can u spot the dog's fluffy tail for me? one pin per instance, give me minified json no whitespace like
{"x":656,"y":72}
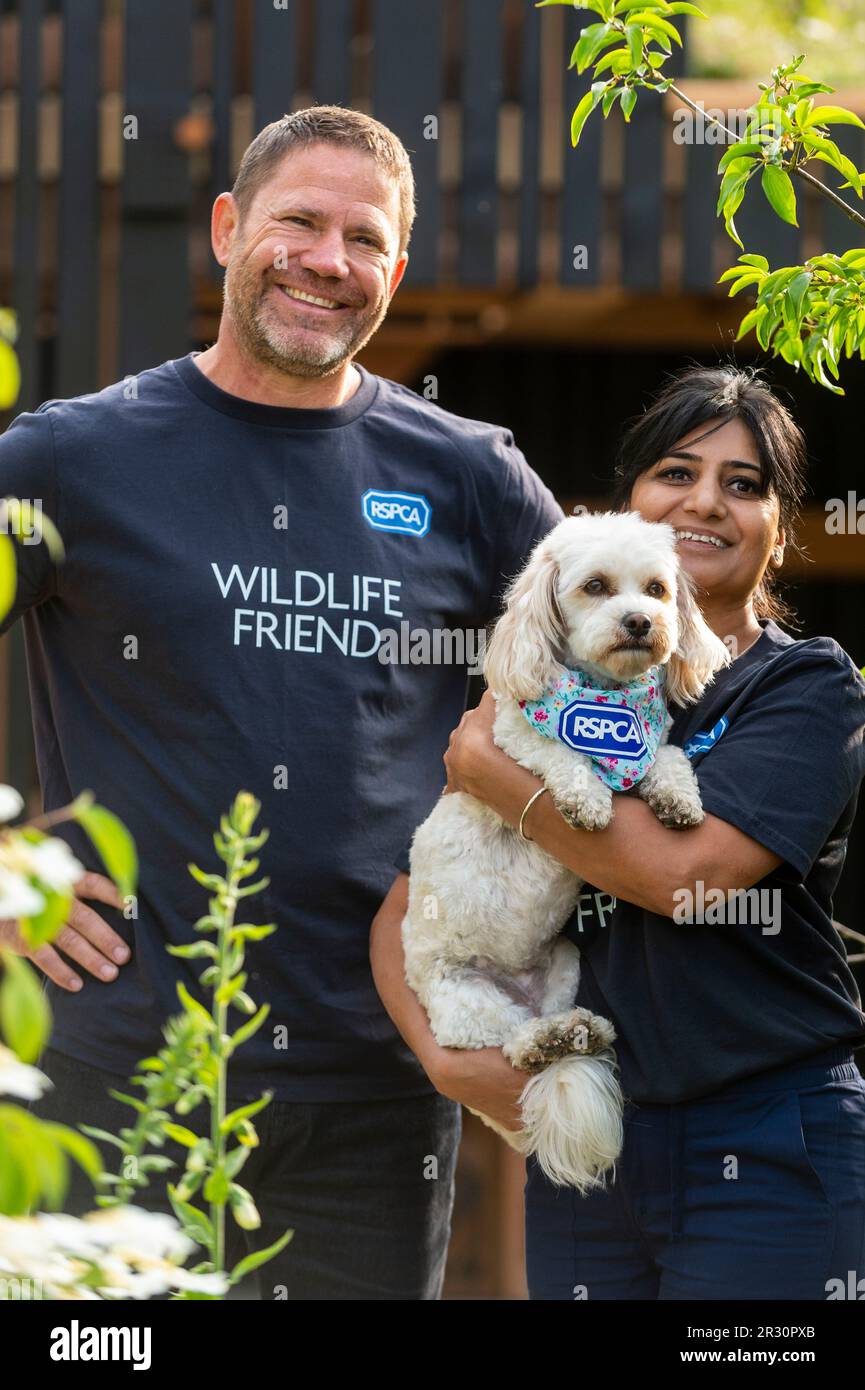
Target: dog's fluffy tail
{"x":572,"y":1120}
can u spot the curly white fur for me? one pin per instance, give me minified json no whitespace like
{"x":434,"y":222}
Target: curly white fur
{"x":481,"y":934}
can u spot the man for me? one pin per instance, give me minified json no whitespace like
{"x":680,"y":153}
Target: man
{"x":244,"y":526}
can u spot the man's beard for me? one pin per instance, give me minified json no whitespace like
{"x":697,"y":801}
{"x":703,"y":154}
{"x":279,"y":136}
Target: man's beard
{"x":274,"y":342}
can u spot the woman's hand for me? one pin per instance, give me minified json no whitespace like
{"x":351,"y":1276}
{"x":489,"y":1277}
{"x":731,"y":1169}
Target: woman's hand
{"x":475,"y":764}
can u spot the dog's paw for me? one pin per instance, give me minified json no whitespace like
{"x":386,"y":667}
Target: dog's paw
{"x":544,"y":1040}
{"x":588,"y":808}
{"x":676,"y":809}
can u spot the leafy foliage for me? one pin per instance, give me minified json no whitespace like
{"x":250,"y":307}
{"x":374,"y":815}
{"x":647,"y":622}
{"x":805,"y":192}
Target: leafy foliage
{"x":191,"y":1069}
{"x":812,"y":314}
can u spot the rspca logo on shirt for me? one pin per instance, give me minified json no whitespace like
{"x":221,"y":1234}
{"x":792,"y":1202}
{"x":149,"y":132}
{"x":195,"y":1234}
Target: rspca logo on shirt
{"x":406,"y":513}
{"x":705,"y":739}
{"x":607,"y":731}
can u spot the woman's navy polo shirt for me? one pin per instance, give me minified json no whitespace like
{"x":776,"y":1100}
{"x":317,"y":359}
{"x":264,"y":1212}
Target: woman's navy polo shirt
{"x":744,"y":985}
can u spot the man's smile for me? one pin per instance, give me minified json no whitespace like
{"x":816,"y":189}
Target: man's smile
{"x":317,"y":301}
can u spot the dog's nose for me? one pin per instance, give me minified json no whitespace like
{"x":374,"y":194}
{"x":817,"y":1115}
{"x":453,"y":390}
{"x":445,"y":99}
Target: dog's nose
{"x":636,"y":624}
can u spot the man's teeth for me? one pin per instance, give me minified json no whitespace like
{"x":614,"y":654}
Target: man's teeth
{"x":310,"y":298}
{"x":707,"y":540}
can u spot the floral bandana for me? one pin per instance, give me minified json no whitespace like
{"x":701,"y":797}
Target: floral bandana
{"x":620,"y":728}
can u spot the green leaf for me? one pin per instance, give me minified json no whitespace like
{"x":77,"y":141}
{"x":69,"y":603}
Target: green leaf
{"x":250,"y":931}
{"x":79,"y":1149}
{"x":10,"y":376}
{"x":212,"y":882}
{"x":742,"y":148}
{"x":234,"y":1118}
{"x":8,"y":573}
{"x":193,"y":951}
{"x":778,"y":187}
{"x":629,"y":101}
{"x":114,"y":844}
{"x":832,"y":155}
{"x":578,"y":120}
{"x":634,"y":36}
{"x":44,"y":926}
{"x":258,"y":1258}
{"x":180,"y":1134}
{"x":759,"y":262}
{"x":794,"y":301}
{"x":227,"y":991}
{"x":246,"y":1030}
{"x":751,"y":319}
{"x":748,"y":277}
{"x":25,"y":1020}
{"x":235,"y":1159}
{"x":197,"y":1224}
{"x":685,"y":7}
{"x":193,"y":1007}
{"x":657,"y":25}
{"x":623,"y":6}
{"x":216,"y":1188}
{"x":834,"y":115}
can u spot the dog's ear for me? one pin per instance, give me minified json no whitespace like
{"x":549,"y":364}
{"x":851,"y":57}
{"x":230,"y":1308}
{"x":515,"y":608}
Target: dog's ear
{"x":521,"y":658}
{"x":699,"y":653}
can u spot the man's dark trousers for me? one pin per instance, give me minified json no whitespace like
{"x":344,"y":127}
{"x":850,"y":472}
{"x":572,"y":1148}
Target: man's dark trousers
{"x":367,"y":1186}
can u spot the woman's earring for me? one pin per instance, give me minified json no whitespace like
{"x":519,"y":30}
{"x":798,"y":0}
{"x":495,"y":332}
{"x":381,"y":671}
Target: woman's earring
{"x":778,"y":555}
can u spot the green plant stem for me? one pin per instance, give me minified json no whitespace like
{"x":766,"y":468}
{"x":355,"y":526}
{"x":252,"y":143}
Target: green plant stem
{"x":226,"y":922}
{"x":796,"y":169}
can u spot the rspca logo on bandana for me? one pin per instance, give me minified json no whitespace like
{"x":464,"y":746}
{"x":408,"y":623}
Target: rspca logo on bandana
{"x":608,"y":731}
{"x":406,"y":513}
{"x":705,"y":739}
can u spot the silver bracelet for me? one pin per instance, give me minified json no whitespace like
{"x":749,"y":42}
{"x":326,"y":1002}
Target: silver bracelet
{"x":528,"y":806}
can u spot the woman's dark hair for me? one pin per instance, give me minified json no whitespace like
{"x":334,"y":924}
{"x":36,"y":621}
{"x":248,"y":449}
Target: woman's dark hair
{"x":712,"y":396}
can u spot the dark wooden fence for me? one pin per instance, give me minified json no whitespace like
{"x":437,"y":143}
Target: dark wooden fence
{"x":120,"y":122}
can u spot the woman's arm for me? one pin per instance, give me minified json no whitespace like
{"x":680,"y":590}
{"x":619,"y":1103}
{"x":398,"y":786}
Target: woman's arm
{"x":635,"y":858}
{"x":482,"y":1078}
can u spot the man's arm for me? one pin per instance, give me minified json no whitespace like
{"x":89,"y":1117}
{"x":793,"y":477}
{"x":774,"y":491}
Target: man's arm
{"x":482,"y":1078}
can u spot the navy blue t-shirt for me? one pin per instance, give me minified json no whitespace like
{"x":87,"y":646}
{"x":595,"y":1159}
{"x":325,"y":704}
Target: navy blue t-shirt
{"x":777,"y":745}
{"x":232,"y":572}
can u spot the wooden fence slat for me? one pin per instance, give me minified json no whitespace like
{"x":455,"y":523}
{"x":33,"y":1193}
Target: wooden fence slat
{"x":78,"y":260}
{"x":332,"y":52}
{"x":223,"y":92}
{"x":222,"y":49}
{"x":530,"y":192}
{"x":762,"y":230}
{"x":581,"y":196}
{"x":27,"y":200}
{"x":481,"y":100}
{"x":840,"y":234}
{"x":699,"y":223}
{"x":407,"y":89}
{"x":274,"y":60}
{"x":156,"y":189}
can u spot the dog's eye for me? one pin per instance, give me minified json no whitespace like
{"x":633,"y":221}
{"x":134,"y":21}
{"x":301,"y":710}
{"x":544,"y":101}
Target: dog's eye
{"x":656,"y":589}
{"x":594,"y":586}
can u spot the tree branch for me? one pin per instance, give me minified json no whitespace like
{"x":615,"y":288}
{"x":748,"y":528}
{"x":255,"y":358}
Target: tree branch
{"x":794,"y":169}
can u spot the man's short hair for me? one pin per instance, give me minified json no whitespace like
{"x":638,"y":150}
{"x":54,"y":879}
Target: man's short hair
{"x":332,"y":125}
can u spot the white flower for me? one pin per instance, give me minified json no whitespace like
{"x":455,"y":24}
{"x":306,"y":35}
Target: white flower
{"x":11,"y":802}
{"x":133,"y":1252}
{"x":55,"y":864}
{"x":19,"y":1079}
{"x":18,"y":898}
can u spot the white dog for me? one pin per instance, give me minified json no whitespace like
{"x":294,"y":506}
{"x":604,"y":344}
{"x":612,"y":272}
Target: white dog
{"x":573,"y":665}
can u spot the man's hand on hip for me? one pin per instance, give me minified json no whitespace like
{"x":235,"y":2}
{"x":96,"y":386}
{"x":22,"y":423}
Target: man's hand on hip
{"x":85,"y":938}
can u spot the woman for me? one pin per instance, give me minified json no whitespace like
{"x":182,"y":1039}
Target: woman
{"x":743,"y":1168}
